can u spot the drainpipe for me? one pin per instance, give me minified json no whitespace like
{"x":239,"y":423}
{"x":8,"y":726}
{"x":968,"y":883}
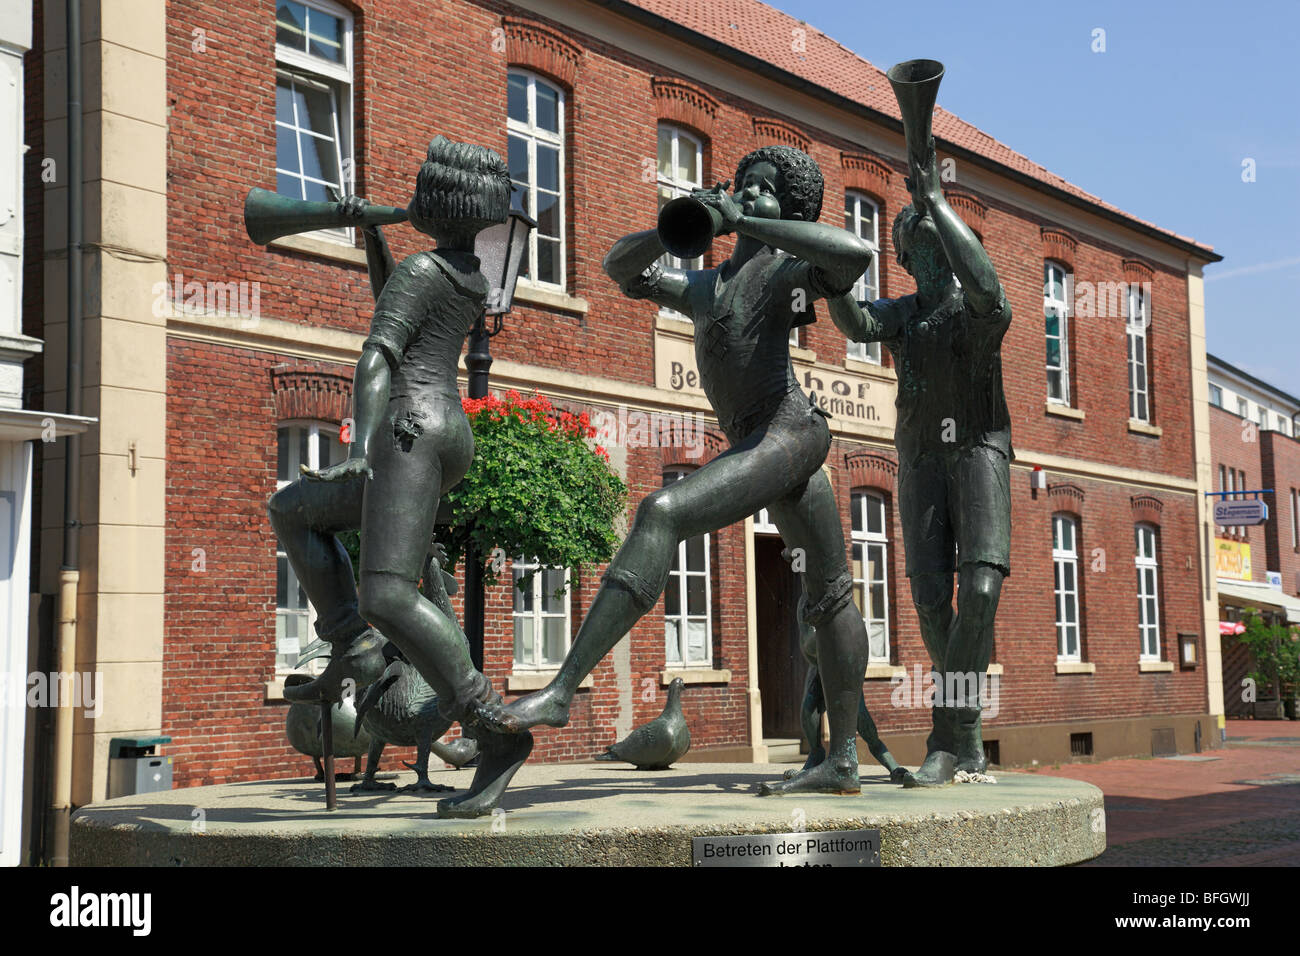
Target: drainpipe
{"x":66,"y":644}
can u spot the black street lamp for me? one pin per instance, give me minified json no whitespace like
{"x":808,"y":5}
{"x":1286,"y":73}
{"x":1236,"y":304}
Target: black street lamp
{"x":500,"y":250}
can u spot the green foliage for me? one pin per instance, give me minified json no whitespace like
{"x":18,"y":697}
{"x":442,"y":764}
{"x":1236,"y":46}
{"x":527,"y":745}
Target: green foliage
{"x":536,"y":488}
{"x":1275,"y":650}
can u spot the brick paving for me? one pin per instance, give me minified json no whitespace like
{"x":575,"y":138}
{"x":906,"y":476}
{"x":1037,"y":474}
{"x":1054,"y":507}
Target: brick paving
{"x":1239,"y":808}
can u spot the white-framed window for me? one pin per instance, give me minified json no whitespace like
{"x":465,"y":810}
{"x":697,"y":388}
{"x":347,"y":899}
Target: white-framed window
{"x":680,"y":171}
{"x":862,"y":218}
{"x":688,"y":600}
{"x":1216,"y":396}
{"x":535,"y":128}
{"x":1148,"y":593}
{"x":1243,"y":407}
{"x":1295,"y":518}
{"x":1065,"y":563}
{"x":1139,"y":320}
{"x":763,"y":523}
{"x":1056,"y":314}
{"x":316,"y":445}
{"x":870,"y":570}
{"x":313,"y":103}
{"x":540,"y":615}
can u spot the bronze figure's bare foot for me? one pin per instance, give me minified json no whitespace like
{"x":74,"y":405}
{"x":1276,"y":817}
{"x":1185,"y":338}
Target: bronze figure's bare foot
{"x":826,"y":777}
{"x":500,"y":758}
{"x":543,"y":707}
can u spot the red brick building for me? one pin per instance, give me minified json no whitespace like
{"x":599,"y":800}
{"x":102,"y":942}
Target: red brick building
{"x":599,"y":109}
{"x":1255,"y":449}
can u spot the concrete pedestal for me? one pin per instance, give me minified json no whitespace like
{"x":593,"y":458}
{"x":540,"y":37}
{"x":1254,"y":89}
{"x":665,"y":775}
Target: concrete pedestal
{"x":589,"y":815}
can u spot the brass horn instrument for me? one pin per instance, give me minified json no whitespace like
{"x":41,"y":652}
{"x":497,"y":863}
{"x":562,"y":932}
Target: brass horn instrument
{"x":268,"y":216}
{"x":687,"y":226}
{"x":916,"y":85}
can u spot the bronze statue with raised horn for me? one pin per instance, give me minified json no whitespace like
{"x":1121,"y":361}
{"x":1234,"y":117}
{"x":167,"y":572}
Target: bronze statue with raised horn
{"x":269,"y":216}
{"x":953,"y":433}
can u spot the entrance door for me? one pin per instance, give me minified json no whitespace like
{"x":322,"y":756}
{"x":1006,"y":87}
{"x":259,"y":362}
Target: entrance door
{"x":781,"y":667}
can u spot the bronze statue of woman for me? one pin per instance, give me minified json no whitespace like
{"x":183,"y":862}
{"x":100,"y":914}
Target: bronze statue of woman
{"x":412,"y":444}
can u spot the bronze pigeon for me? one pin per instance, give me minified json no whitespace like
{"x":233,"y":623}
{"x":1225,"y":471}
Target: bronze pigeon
{"x":654,"y":746}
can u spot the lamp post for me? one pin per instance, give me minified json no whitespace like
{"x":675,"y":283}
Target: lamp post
{"x":500,"y":249}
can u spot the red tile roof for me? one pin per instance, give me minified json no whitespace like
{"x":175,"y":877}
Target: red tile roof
{"x":765,"y":33}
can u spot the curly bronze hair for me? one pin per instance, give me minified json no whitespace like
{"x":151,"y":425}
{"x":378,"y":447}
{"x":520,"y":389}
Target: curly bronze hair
{"x":800,"y":190}
{"x":459,"y":181}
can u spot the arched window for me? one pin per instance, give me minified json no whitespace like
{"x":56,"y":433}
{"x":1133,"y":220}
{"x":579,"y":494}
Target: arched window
{"x":862,"y":218}
{"x":1139,"y":320}
{"x":535,"y":129}
{"x":870,"y":570}
{"x":1065,"y":563}
{"x":313,"y":103}
{"x":680,"y":170}
{"x":1056,"y":314}
{"x":688,"y":599}
{"x":1148,"y":593}
{"x":316,"y":445}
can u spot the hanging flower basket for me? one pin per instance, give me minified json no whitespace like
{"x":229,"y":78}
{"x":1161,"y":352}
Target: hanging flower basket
{"x":538,"y":487}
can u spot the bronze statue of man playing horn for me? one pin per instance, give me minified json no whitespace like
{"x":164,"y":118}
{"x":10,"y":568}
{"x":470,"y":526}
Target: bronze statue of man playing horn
{"x":953,"y":433}
{"x":743,"y":311}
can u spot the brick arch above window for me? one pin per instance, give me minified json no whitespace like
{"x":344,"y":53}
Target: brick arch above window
{"x":770,"y":131}
{"x":315,"y":392}
{"x":866,"y":174}
{"x":1135,"y":270}
{"x":685,"y":104}
{"x":1059,"y":245}
{"x":537,"y":47}
{"x":970,"y":207}
{"x":678,"y":455}
{"x":868,"y":470}
{"x":1147,"y":508}
{"x":1066,"y":498}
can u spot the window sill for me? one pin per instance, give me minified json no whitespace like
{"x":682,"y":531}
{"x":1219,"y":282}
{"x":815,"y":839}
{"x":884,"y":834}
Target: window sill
{"x":666,"y":323}
{"x":694,"y":675}
{"x":884,"y":672}
{"x":275,"y":690}
{"x":1142,"y":428}
{"x":869,"y":368}
{"x":1075,"y":667}
{"x":802,"y":354}
{"x":550,"y":298}
{"x":321,"y":248}
{"x":536,"y":680}
{"x":1155,"y":667}
{"x":1065,"y":411}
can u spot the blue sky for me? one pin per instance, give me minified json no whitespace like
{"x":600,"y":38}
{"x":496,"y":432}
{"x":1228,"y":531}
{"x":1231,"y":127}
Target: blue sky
{"x":1158,"y":125}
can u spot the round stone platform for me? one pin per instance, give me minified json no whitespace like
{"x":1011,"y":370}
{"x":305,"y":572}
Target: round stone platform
{"x":589,"y":814}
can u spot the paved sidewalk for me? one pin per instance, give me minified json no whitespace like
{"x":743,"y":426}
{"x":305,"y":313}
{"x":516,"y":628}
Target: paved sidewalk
{"x":1241,"y":807}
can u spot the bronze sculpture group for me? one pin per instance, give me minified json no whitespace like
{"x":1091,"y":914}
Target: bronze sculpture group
{"x":413,"y":443}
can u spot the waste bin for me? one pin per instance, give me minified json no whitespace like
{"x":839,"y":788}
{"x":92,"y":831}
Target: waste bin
{"x":134,"y":767}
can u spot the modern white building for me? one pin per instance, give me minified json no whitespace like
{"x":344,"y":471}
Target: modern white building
{"x":1247,"y":397}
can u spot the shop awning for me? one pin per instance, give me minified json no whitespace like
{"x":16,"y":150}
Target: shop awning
{"x":1258,"y":594}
